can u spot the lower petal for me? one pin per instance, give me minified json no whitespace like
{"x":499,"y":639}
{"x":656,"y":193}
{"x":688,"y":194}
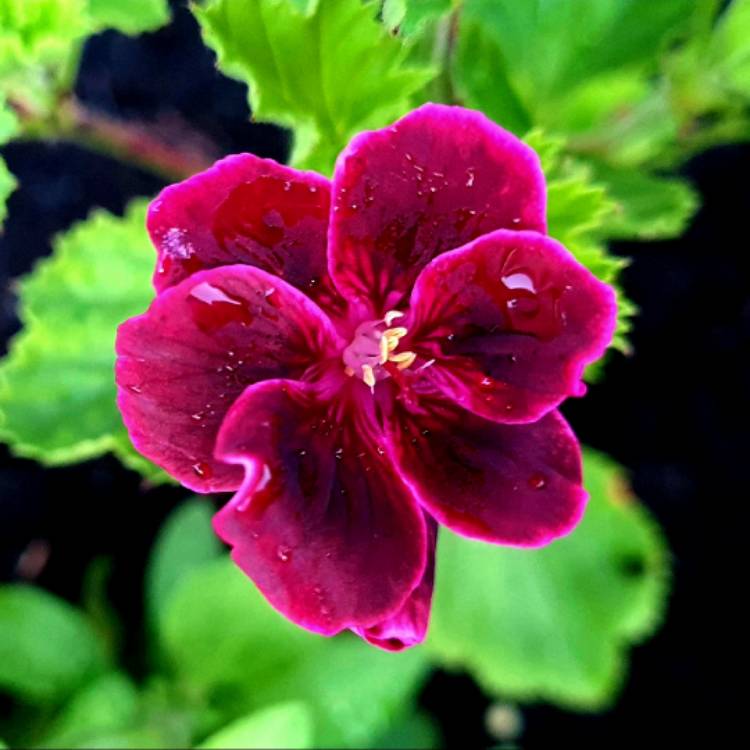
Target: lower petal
{"x":408,"y":626}
{"x":322,"y":524}
{"x":519,"y":485}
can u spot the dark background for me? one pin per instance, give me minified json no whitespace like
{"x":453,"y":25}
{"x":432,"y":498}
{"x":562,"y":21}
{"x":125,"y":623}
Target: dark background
{"x":669,"y":413}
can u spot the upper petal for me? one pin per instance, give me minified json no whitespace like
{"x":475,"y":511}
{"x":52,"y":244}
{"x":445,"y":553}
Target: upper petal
{"x":181,"y":365}
{"x":322,"y":524}
{"x":509,"y":484}
{"x":433,"y":181}
{"x":244,"y":210}
{"x":510,"y":320}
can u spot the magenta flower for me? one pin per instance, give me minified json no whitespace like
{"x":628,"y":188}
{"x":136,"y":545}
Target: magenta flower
{"x":361,"y":359}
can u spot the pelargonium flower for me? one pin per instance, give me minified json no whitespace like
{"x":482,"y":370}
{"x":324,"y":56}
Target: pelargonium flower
{"x":361,"y":359}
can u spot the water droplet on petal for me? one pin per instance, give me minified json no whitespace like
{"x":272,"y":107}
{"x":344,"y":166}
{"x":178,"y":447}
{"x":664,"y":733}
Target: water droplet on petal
{"x":202,"y":470}
{"x":284,"y":553}
{"x":537,"y":481}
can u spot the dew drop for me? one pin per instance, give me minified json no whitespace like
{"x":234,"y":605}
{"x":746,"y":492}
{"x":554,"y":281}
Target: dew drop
{"x":202,"y":470}
{"x":537,"y":481}
{"x":213,"y":308}
{"x":519,"y":281}
{"x":134,"y":388}
{"x":284,"y":553}
{"x":470,"y":176}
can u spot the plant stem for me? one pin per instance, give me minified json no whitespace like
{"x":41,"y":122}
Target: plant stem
{"x":167,"y":148}
{"x":442,"y":52}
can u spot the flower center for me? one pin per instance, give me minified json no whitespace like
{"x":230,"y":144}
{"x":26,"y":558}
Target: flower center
{"x":373,"y":346}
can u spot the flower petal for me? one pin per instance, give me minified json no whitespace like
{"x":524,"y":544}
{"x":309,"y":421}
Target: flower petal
{"x":182,"y":364}
{"x":408,"y":626}
{"x":436,"y":179}
{"x":509,"y":484}
{"x":244,"y":210}
{"x":511,"y":320}
{"x":322,"y":524}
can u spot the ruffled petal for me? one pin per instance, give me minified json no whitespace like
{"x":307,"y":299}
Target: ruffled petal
{"x":321,"y":524}
{"x":408,"y":626}
{"x":244,"y":210}
{"x":508,"y":484}
{"x":182,"y":364}
{"x":511,"y":320}
{"x":436,"y":179}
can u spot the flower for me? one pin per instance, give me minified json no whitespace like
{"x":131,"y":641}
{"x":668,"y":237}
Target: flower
{"x":359,"y":359}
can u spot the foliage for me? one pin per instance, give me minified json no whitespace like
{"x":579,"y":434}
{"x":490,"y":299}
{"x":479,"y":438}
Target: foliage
{"x":47,"y":649}
{"x":101,"y":269}
{"x":554,"y":623}
{"x":228,"y":671}
{"x":292,"y":61}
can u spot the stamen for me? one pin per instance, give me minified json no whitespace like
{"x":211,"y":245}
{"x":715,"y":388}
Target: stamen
{"x":403,"y":359}
{"x":384,"y":349}
{"x":368,"y":375}
{"x":372,"y":347}
{"x":396,"y":333}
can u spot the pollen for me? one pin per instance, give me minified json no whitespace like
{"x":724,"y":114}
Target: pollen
{"x":373,"y":346}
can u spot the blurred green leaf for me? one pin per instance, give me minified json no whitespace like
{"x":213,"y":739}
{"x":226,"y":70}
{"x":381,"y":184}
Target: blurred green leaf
{"x":294,"y":64}
{"x":47,"y":648}
{"x":546,"y":59}
{"x":730,"y":46}
{"x":555,"y":623}
{"x":57,"y":391}
{"x":7,"y":186}
{"x":186,"y":541}
{"x":224,"y":640}
{"x":418,"y":730}
{"x":105,"y":705}
{"x":646,"y":207}
{"x":477,"y":53}
{"x":36,"y":41}
{"x":284,"y":725}
{"x":409,"y":15}
{"x":130,"y":17}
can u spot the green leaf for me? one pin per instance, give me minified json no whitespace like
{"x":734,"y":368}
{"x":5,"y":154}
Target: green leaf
{"x":647,"y":207}
{"x":106,"y":705}
{"x":186,"y":540}
{"x":555,"y":623}
{"x":57,"y":391}
{"x":7,"y":186}
{"x":131,"y":17}
{"x":47,"y":648}
{"x":408,"y":16}
{"x":295,"y":65}
{"x":37,"y":39}
{"x":417,"y":730}
{"x":493,"y":94}
{"x":547,"y":60}
{"x":285,"y":725}
{"x":224,"y":640}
